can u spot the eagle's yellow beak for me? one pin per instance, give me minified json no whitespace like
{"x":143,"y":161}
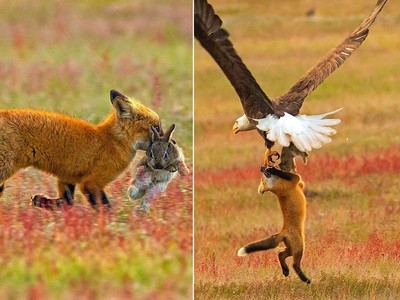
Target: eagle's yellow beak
{"x":235,"y":128}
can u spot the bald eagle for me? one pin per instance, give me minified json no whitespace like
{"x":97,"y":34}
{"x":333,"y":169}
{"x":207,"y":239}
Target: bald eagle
{"x":277,"y":119}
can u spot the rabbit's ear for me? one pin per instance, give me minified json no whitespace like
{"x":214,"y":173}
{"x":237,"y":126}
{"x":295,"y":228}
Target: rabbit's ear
{"x":160,"y":129}
{"x":168,"y":133}
{"x":154,"y":136}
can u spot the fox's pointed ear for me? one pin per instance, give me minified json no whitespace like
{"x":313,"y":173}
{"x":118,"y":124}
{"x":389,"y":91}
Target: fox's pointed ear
{"x":154,"y":136}
{"x":168,"y":133}
{"x":115,"y":94}
{"x":121,"y":104}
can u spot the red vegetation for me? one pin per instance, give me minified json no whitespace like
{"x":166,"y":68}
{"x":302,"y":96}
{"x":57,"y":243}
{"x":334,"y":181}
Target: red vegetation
{"x":327,"y":167}
{"x":319,"y":253}
{"x":318,"y":168}
{"x":176,"y":209}
{"x":169,"y":222}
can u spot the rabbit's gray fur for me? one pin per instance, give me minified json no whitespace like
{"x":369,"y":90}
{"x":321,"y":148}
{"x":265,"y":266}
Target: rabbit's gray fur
{"x":164,"y":158}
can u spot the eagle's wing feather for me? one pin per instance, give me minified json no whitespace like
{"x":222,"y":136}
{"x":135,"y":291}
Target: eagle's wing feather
{"x":292,"y":101}
{"x":208,"y":31}
{"x":306,"y":132}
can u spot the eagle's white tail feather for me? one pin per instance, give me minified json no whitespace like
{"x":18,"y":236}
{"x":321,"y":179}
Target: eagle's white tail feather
{"x":279,"y":135}
{"x":323,"y":122}
{"x":322,"y":129}
{"x":321,"y":116}
{"x":306,"y":132}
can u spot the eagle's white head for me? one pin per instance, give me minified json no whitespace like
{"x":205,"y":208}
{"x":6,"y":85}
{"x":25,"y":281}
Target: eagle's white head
{"x":242,"y":124}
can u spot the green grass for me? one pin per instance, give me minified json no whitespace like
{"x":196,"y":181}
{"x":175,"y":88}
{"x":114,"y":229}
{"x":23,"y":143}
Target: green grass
{"x":66,"y":57}
{"x":353,"y":211}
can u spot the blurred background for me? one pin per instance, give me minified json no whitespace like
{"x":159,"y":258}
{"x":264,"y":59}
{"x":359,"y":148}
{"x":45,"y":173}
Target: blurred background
{"x":66,"y":56}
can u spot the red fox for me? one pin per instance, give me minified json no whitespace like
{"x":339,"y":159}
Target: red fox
{"x":73,"y":150}
{"x":288,"y":187}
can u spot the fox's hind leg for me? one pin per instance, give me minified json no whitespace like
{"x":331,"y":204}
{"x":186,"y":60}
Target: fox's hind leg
{"x":282,"y":260}
{"x":7,"y":169}
{"x":297,"y":255}
{"x":295,"y":244}
{"x":65,"y":196}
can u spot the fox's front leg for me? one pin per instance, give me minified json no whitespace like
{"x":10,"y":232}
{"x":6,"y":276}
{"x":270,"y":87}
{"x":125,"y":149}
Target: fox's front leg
{"x":94,"y":195}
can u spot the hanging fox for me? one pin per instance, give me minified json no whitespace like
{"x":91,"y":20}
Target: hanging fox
{"x":288,"y":187}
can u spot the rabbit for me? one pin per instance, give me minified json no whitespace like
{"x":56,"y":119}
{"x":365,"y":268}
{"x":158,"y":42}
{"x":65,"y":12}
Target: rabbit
{"x":163,"y":159}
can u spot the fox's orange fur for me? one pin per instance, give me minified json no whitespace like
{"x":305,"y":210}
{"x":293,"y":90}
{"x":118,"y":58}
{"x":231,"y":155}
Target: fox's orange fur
{"x":288,"y":187}
{"x":74,"y":151}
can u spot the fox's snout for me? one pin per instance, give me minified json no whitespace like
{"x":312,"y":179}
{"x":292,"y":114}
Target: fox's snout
{"x":262,"y":187}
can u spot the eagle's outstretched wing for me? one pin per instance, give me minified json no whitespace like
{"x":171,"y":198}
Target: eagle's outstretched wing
{"x":292,"y":101}
{"x":208,"y":31}
{"x":279,"y":119}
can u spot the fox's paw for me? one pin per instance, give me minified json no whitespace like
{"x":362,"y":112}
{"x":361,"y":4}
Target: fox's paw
{"x":49,"y":203}
{"x":285,"y":271}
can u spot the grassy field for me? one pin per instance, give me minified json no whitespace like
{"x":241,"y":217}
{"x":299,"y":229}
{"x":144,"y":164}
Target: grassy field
{"x":352,"y":185}
{"x":65,"y":56}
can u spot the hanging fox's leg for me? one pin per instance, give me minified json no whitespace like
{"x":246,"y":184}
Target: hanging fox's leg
{"x":297,"y":255}
{"x":295,"y":245}
{"x":282,"y":257}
